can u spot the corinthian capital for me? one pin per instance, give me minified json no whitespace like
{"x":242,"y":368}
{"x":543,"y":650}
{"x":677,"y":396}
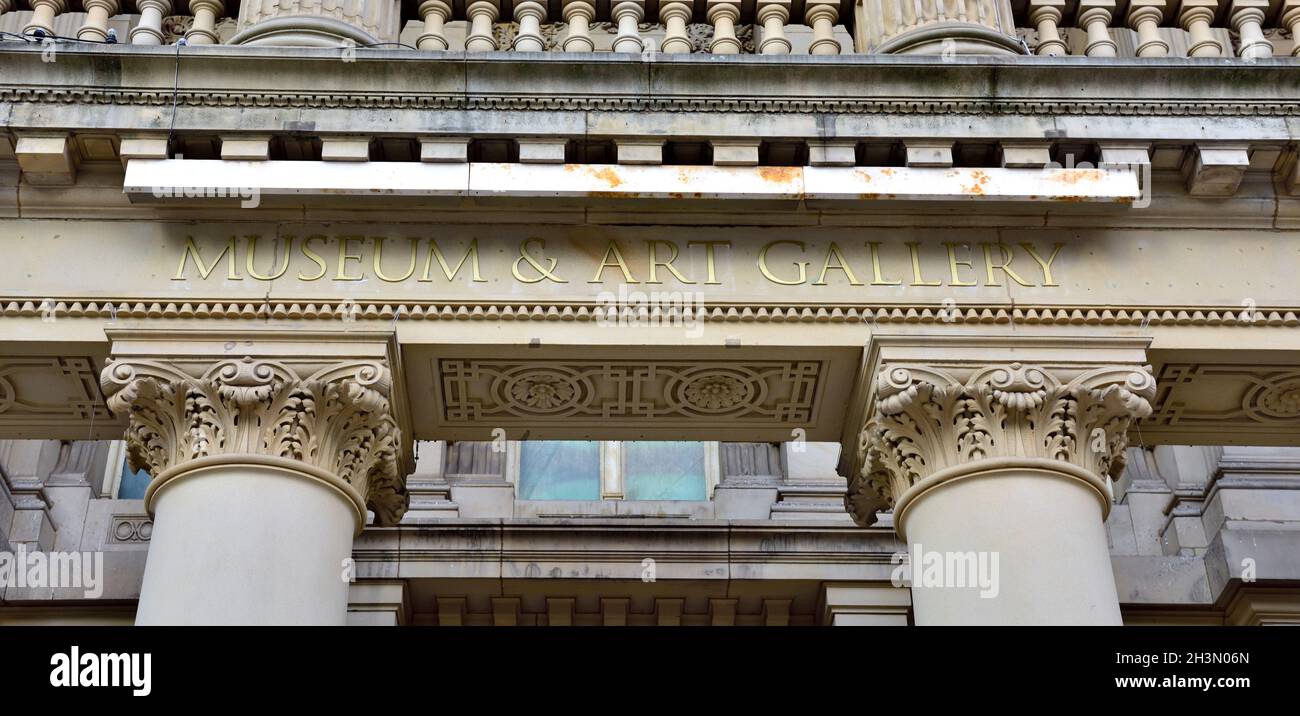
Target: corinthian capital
{"x":930,"y":422}
{"x":333,"y":414}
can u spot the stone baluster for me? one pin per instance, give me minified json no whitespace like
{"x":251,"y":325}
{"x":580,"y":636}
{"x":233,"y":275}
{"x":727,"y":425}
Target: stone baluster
{"x":481,"y":14}
{"x":1145,"y":16}
{"x":529,"y":14}
{"x":579,"y":14}
{"x":1094,"y":17}
{"x":436,"y":13}
{"x":1195,"y":16}
{"x":1046,"y":16}
{"x":43,"y":13}
{"x":821,"y":15}
{"x":204,"y":29}
{"x":1291,"y":21}
{"x":724,"y":14}
{"x":772,"y":15}
{"x":95,"y":28}
{"x":149,"y":30}
{"x":674,"y":16}
{"x":627,"y":13}
{"x":1247,"y":17}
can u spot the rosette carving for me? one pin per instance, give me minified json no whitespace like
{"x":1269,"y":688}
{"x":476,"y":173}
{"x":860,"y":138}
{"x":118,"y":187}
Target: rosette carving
{"x":338,"y":418}
{"x":927,"y":419}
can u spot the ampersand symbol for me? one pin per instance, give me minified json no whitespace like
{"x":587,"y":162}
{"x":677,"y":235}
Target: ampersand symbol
{"x":544,"y":273}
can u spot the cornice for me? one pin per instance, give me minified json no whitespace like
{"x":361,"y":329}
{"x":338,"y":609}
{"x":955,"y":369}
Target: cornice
{"x":658,"y":103}
{"x":221,"y":76}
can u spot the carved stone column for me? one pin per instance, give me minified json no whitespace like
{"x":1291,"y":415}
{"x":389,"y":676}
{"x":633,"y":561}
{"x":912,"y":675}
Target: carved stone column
{"x":317,"y":23}
{"x":936,"y":27}
{"x":265,"y":452}
{"x":1001,"y":455}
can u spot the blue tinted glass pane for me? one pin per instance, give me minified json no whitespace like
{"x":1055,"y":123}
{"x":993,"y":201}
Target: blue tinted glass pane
{"x":133,"y":484}
{"x":559,"y":470}
{"x":664,"y":470}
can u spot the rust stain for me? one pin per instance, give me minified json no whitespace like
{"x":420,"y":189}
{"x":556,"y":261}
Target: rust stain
{"x":863,"y":174}
{"x":887,"y":172}
{"x":979,"y":179}
{"x":609,"y":176}
{"x":1074,"y":176}
{"x":780,"y":175}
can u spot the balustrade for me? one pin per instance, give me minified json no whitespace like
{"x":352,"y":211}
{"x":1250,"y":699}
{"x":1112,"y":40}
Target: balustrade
{"x":1245,"y":29}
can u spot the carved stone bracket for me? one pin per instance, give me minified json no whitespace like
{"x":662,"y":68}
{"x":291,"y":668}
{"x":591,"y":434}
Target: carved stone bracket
{"x":336,"y":415}
{"x":928,"y":418}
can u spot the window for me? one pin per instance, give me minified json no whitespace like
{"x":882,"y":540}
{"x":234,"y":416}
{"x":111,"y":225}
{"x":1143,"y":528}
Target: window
{"x":559,"y":470}
{"x":615,"y":470}
{"x":663,"y":471}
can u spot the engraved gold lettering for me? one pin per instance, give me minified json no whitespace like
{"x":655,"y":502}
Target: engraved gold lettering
{"x":878,"y":279}
{"x":314,"y":258}
{"x":767,"y":274}
{"x":471,"y":255}
{"x":378,"y":245}
{"x":1046,"y":266}
{"x":708,"y":258}
{"x":619,"y":263}
{"x":204,"y":271}
{"x":913,"y":248}
{"x":1007,"y":256}
{"x":543,"y":273}
{"x":653,"y":247}
{"x":954,"y":263}
{"x":840,"y":263}
{"x":345,"y":245}
{"x":250,"y":251}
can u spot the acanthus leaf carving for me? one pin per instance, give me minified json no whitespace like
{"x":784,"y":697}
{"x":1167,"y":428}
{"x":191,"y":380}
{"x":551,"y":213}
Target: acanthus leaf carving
{"x":924,"y":420}
{"x":338,"y":419}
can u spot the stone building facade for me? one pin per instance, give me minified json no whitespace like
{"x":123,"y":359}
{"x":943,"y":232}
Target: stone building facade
{"x":645,"y":312}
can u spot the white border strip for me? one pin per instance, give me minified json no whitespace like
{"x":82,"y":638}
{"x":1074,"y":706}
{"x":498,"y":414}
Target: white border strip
{"x":162,"y":180}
